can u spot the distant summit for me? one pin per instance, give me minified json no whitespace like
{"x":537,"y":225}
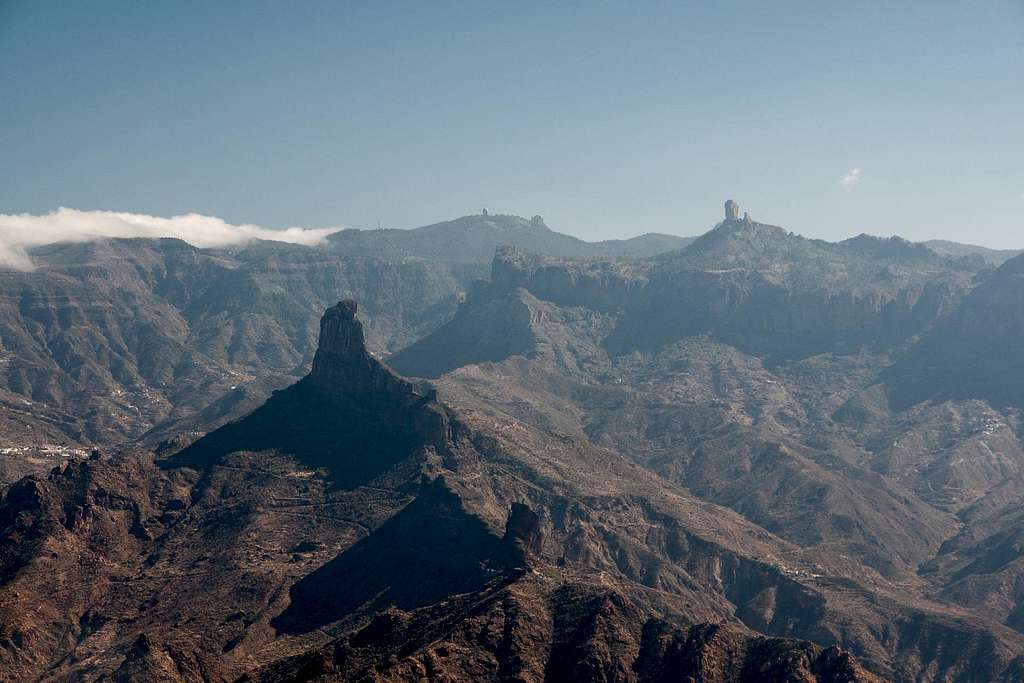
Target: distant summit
{"x":732,"y":210}
{"x":995,"y":257}
{"x":473,"y":239}
{"x":736,"y":239}
{"x":732,"y":213}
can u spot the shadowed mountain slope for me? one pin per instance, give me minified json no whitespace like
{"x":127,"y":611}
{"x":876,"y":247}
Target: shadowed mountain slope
{"x":385,"y":417}
{"x":978,"y":352}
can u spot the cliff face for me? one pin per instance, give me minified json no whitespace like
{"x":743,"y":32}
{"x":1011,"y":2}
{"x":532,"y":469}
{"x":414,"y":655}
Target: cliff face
{"x":343,"y":365}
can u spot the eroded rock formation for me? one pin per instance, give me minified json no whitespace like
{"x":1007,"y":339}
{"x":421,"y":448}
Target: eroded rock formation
{"x":732,"y":210}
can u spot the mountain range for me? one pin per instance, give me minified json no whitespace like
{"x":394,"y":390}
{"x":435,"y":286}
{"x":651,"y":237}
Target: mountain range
{"x":383,"y":534}
{"x":107,"y":340}
{"x":749,"y":456}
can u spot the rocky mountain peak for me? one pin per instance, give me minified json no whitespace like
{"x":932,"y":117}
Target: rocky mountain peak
{"x":732,"y":210}
{"x":735,"y":236}
{"x":344,"y":365}
{"x":352,"y":414}
{"x":342,"y":361}
{"x":341,"y":333}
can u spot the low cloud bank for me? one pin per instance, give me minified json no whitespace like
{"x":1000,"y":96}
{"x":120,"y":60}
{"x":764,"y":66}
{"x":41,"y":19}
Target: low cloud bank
{"x":21,"y":232}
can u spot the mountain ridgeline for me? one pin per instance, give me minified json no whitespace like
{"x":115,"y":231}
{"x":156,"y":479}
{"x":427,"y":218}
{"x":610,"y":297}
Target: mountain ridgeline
{"x":471,"y":240}
{"x":521,"y":457}
{"x":861,"y":397}
{"x":105,"y":341}
{"x":748,"y":284}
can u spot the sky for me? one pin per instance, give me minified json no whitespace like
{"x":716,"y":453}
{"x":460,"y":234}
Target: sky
{"x":609,"y":119}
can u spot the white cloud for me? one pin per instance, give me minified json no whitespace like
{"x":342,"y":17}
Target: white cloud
{"x":20,"y":232}
{"x":852,"y":179}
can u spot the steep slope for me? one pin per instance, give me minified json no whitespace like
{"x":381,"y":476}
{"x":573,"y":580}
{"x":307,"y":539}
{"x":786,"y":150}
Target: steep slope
{"x":702,"y":413}
{"x":976,"y":356}
{"x":984,"y":563}
{"x":977,"y":353}
{"x":476,"y":545}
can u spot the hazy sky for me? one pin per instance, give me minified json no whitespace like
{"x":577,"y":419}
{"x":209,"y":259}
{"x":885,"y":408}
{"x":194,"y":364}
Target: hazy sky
{"x":609,"y":119}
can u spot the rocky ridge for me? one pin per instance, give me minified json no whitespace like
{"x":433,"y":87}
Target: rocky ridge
{"x":696,"y":464}
{"x":801,"y":438}
{"x":111,"y":340}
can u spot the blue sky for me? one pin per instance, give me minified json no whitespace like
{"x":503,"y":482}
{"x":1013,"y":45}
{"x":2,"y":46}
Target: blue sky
{"x":609,"y":119}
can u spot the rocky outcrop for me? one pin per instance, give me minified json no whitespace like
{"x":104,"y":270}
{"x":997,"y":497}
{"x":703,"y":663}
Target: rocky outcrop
{"x":523,"y":532}
{"x":717,"y":654}
{"x":536,"y":630}
{"x":352,"y":414}
{"x":732,"y":210}
{"x":344,"y":365}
